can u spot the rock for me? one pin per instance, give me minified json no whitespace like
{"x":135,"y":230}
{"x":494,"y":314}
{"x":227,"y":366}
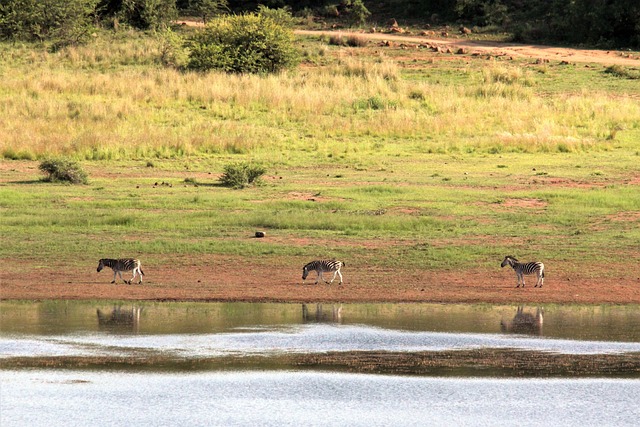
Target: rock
{"x":260,"y":234}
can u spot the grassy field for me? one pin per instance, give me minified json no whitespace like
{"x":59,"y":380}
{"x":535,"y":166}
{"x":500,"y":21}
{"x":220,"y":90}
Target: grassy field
{"x":372,"y":156}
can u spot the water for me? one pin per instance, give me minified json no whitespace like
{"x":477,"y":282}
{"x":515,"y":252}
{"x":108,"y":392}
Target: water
{"x":188,"y":330}
{"x":180,"y":391}
{"x":45,"y":398}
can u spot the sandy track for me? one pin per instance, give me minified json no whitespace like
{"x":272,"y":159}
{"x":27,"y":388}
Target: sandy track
{"x":506,"y":49}
{"x":514,"y":50}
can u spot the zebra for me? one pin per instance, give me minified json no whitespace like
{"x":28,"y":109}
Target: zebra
{"x":120,"y":265}
{"x":323,"y":266}
{"x":522,"y":268}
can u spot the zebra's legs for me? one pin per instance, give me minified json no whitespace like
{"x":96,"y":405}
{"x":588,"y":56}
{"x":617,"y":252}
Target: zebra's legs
{"x":337,"y":272}
{"x":520,"y":279}
{"x":122,"y":278}
{"x":319,"y":277}
{"x":540,"y":281}
{"x":114,"y":276}
{"x":136,"y":271}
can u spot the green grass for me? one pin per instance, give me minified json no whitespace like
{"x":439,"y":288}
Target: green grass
{"x":431,"y":166}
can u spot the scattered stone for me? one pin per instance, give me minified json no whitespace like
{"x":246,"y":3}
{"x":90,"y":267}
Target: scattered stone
{"x":260,"y":234}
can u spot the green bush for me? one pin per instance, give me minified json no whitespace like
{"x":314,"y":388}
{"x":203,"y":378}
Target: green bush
{"x":243,"y":44}
{"x":207,"y":9}
{"x":63,"y":170}
{"x":62,"y":22}
{"x":280,"y":16}
{"x":141,"y":14}
{"x":240,"y":175}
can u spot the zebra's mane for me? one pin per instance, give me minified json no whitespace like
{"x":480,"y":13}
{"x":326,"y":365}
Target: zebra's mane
{"x":513,"y":258}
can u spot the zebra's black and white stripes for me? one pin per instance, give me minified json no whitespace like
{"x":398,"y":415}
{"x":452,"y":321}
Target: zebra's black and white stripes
{"x":120,"y":265}
{"x":323,"y":266}
{"x":525,"y":268}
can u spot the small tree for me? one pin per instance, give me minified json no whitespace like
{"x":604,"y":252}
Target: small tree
{"x":207,"y":9}
{"x":243,"y":44}
{"x":357,"y":11}
{"x":63,"y":170}
{"x":141,"y":14}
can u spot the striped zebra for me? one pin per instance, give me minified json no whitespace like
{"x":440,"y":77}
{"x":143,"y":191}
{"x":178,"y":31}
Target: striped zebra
{"x":323,"y":266}
{"x":525,"y":268}
{"x":120,"y":265}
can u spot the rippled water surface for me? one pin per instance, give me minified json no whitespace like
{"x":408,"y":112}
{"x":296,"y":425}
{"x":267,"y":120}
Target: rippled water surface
{"x":46,"y":398}
{"x":210,"y":330}
{"x":260,"y":395}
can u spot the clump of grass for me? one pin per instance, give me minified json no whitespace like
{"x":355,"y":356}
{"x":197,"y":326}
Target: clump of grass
{"x":241,"y":175}
{"x":63,"y":170}
{"x":355,"y":40}
{"x":336,"y":40}
{"x":374,"y":103}
{"x":622,"y":72}
{"x":506,"y":75}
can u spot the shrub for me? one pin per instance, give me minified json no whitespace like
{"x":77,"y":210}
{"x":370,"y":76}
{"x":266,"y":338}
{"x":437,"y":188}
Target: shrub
{"x":357,"y":11}
{"x":63,"y":170}
{"x":141,"y":14}
{"x":207,"y":9}
{"x":243,"y":44}
{"x":281,"y":16}
{"x":622,"y":72}
{"x":354,"y":40}
{"x":172,"y":51}
{"x":63,"y":22}
{"x":240,"y":175}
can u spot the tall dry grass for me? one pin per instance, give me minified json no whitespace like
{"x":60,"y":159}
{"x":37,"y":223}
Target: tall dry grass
{"x":114,"y":99}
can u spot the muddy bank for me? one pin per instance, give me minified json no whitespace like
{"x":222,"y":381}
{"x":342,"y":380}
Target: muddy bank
{"x":473,"y":363}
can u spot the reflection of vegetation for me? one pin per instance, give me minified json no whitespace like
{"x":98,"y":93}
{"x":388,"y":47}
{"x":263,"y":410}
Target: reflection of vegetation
{"x":571,"y":322}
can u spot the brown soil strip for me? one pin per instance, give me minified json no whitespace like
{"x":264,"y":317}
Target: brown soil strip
{"x":474,"y":363}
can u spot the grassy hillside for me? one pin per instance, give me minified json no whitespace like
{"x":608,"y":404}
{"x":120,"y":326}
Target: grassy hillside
{"x":373,"y":155}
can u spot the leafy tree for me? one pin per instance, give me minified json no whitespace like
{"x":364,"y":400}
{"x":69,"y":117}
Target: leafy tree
{"x":281,"y":16}
{"x":207,"y":9}
{"x":356,"y":10}
{"x":243,"y":44}
{"x":61,"y":21}
{"x":141,"y":14}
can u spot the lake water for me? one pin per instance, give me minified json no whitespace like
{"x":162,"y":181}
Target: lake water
{"x":257,"y":395}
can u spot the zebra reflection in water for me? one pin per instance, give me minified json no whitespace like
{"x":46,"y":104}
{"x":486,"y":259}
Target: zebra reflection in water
{"x":124,"y":319}
{"x":524,"y":322}
{"x":334,"y":315}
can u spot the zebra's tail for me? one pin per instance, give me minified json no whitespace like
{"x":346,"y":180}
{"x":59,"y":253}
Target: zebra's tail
{"x":142,"y":272}
{"x":543,"y":274}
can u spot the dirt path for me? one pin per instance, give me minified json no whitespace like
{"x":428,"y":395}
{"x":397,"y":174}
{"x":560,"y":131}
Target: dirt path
{"x":505,"y":49}
{"x":515,"y":50}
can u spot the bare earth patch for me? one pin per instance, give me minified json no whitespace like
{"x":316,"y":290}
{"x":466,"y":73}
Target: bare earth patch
{"x":226,"y":278}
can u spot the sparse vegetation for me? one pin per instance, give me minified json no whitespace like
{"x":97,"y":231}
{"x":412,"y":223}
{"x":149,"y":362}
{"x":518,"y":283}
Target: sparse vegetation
{"x":368,"y":144}
{"x":241,"y":175}
{"x":63,"y":170}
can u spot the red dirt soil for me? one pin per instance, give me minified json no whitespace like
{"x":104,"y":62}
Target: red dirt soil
{"x":219,"y":278}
